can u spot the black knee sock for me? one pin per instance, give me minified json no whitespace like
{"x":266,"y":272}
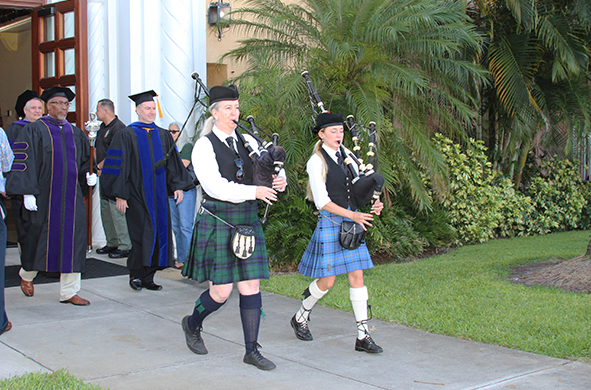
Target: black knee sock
{"x":250,"y":313}
{"x":204,"y":306}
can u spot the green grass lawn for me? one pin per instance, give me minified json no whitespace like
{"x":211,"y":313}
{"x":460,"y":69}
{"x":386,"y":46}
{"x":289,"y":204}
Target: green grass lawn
{"x":60,"y":379}
{"x":466,"y":294}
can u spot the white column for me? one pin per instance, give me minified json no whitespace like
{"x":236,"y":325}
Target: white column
{"x":97,"y":84}
{"x":177,"y":86}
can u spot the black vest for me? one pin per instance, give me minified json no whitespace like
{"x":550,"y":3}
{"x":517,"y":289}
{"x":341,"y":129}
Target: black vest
{"x":338,"y":184}
{"x":226,"y":157}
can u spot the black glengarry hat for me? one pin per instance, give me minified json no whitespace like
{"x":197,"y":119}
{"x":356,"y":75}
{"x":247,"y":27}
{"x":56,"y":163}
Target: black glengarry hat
{"x":57,"y":92}
{"x":142,"y":97}
{"x":22,"y":100}
{"x":327,"y":119}
{"x":219,"y":93}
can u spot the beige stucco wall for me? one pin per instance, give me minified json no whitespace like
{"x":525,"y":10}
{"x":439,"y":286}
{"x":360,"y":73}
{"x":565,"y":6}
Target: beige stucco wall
{"x":215,"y":49}
{"x":14,"y":79}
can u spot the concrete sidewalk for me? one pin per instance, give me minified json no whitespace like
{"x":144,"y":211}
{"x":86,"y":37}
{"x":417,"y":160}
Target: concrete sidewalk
{"x":133,"y":340}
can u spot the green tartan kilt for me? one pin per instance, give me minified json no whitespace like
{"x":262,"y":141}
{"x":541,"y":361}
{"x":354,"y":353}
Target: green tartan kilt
{"x":210,"y":256}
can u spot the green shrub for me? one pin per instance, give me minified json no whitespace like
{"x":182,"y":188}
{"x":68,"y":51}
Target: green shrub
{"x":472,"y":204}
{"x":556,"y":196}
{"x":434,"y":226}
{"x":393,"y":236}
{"x":517,"y":210}
{"x":483,"y":205}
{"x":291,"y":222}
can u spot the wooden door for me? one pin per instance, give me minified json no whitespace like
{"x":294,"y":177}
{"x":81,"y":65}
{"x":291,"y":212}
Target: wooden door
{"x":59,"y":44}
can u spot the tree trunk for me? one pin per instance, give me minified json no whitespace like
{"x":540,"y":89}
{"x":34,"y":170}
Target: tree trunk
{"x":588,"y":253}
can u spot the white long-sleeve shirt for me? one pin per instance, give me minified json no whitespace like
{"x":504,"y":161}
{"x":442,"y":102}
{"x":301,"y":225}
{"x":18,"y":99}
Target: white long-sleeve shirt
{"x":208,"y":172}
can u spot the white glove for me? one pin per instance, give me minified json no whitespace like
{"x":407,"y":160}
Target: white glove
{"x":90,"y":179}
{"x":30,"y":202}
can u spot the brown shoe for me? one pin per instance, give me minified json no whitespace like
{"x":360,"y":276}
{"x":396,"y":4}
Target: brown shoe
{"x":76,"y":300}
{"x":27,"y":288}
{"x":8,"y":327}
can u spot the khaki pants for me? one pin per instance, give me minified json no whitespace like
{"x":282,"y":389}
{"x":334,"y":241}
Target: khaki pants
{"x":115,"y":226}
{"x":69,"y":283}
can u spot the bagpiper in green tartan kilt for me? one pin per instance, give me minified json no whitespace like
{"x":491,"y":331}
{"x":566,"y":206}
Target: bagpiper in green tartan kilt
{"x":210,"y":256}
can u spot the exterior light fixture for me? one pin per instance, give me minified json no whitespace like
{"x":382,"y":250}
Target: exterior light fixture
{"x":218,"y":15}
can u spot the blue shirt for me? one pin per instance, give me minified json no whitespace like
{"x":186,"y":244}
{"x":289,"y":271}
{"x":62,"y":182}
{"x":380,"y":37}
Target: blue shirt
{"x":6,"y":158}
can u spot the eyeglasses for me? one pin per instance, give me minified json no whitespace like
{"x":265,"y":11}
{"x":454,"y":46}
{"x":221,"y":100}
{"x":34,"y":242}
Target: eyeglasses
{"x":174,"y":131}
{"x":61,"y":104}
{"x":240,"y":174}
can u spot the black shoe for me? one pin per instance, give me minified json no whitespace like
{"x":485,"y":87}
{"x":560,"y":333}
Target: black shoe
{"x":117,"y":254}
{"x":135,"y":284}
{"x":106,"y":249}
{"x":301,"y":329}
{"x":193,"y":339}
{"x":367,"y":345}
{"x":259,"y":361}
{"x":152,"y":286}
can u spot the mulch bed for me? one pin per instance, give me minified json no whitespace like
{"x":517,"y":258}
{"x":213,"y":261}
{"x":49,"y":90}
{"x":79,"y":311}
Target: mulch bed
{"x":570,"y":275}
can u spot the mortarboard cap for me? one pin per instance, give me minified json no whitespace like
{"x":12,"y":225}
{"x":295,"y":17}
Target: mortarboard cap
{"x":142,"y":97}
{"x":22,"y":100}
{"x":219,"y":93}
{"x":327,"y":119}
{"x":57,"y":91}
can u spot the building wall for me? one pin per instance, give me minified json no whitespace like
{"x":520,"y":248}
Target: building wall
{"x":14,"y":79}
{"x":216,"y":48}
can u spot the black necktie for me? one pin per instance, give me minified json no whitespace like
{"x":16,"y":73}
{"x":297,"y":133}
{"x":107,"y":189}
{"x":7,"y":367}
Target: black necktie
{"x":230,"y":141}
{"x":341,"y":162}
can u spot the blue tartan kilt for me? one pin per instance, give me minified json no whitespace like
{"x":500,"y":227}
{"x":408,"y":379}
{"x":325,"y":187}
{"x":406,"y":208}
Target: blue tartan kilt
{"x":210,"y":256}
{"x":325,"y":256}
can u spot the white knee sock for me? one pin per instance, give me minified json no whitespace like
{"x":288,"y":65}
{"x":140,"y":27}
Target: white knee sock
{"x":308,"y":303}
{"x":359,"y":297}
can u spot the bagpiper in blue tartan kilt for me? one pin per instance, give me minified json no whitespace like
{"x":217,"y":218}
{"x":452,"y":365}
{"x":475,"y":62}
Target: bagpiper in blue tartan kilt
{"x":325,"y":256}
{"x":210,"y":256}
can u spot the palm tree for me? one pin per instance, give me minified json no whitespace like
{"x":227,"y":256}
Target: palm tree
{"x":538,"y":54}
{"x":409,"y":65}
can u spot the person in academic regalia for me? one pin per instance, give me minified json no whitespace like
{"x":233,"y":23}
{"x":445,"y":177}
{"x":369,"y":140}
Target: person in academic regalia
{"x":226,"y":173}
{"x":137,"y":173}
{"x":29,"y":108}
{"x":51,"y":171}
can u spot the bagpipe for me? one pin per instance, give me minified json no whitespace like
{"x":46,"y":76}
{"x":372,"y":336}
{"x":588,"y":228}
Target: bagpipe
{"x":269,"y":160}
{"x":366,"y":184}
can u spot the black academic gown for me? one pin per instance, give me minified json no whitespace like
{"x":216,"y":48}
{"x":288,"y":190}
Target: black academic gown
{"x":12,"y":132}
{"x":51,"y":163}
{"x":129,"y":173}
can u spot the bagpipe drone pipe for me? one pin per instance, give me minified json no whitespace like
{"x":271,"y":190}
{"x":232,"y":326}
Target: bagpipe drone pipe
{"x":269,"y":160}
{"x":366,"y":184}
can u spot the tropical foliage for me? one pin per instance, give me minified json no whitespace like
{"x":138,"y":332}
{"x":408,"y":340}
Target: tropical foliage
{"x":539,"y":99}
{"x":509,"y":74}
{"x":407,"y":65}
{"x":483,"y":205}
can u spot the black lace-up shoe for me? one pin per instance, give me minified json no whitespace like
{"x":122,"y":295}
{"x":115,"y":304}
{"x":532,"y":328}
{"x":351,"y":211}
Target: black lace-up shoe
{"x":367,"y":345}
{"x":259,"y":361}
{"x":193,"y":339}
{"x":301,"y":329}
{"x":135,"y":284}
{"x":106,"y":249}
{"x":151,"y":286}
